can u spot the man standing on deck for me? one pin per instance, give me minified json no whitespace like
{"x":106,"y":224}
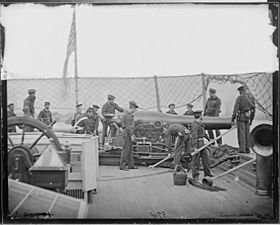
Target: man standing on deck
{"x":28,"y":107}
{"x":198,"y":134}
{"x":182,"y":141}
{"x":108,"y":112}
{"x":127,"y":121}
{"x":171,"y":109}
{"x":11,"y":108}
{"x":212,"y":109}
{"x":244,"y":111}
{"x":45,"y":115}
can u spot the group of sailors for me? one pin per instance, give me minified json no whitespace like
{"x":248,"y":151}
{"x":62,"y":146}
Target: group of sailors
{"x":88,"y":122}
{"x":243,"y":114}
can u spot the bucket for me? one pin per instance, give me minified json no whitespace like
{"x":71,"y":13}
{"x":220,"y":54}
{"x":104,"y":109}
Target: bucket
{"x":179,"y":177}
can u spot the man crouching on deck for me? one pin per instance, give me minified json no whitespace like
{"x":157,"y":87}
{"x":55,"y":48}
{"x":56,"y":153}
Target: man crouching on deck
{"x":182,"y":141}
{"x":127,"y":121}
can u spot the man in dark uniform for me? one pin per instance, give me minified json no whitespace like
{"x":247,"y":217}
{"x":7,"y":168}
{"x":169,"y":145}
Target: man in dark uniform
{"x":108,"y":112}
{"x":182,"y":141}
{"x":171,"y":109}
{"x":244,"y":111}
{"x":198,"y":135}
{"x":45,"y":115}
{"x":11,"y":108}
{"x":82,"y":122}
{"x":189,"y":110}
{"x":28,"y":104}
{"x":28,"y":108}
{"x":212,"y":109}
{"x":94,"y":120}
{"x":79,"y":109}
{"x":127,"y":121}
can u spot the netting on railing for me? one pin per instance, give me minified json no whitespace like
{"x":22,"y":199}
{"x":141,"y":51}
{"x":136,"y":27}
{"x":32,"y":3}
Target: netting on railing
{"x":172,"y":89}
{"x":259,"y":86}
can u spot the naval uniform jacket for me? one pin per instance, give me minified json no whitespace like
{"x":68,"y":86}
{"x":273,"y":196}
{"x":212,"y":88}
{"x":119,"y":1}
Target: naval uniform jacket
{"x":82,"y":124}
{"x":212,"y":107}
{"x":198,"y":133}
{"x":171,"y":112}
{"x":190,"y":113}
{"x":244,"y":108}
{"x":45,"y":116}
{"x":28,"y":106}
{"x":109,"y":108}
{"x":127,"y":122}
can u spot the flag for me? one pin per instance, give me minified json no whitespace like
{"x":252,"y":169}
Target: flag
{"x":71,"y":46}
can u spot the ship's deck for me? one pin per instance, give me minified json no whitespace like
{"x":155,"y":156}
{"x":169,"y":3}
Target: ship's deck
{"x":150,"y":194}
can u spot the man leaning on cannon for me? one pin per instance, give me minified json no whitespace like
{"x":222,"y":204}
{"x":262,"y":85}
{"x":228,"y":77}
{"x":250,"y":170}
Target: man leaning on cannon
{"x":108,"y":112}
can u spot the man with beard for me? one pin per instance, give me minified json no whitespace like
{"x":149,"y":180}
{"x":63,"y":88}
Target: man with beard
{"x":28,"y":107}
{"x":45,"y":115}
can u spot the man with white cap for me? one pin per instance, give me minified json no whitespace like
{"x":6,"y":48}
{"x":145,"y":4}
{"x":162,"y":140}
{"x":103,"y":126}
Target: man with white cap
{"x":127,"y":121}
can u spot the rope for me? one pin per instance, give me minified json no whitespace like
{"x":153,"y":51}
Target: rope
{"x":135,"y":177}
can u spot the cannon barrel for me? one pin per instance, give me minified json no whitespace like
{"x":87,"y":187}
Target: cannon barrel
{"x":209,"y":122}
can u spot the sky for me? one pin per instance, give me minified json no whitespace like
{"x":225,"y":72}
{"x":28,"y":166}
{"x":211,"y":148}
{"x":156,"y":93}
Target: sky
{"x":138,"y":40}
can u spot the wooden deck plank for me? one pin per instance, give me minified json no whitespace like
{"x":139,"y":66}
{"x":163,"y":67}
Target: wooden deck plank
{"x":125,"y":196}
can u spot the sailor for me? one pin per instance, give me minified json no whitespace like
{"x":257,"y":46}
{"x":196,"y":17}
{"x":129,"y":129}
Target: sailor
{"x":198,"y":134}
{"x":189,"y":109}
{"x":127,"y":121}
{"x":79,"y":110}
{"x":108,"y":112}
{"x":244,"y":111}
{"x":81,"y":125}
{"x":94,"y":120}
{"x":171,"y":109}
{"x":28,"y":104}
{"x":213,"y":109}
{"x":182,"y":141}
{"x":28,"y":108}
{"x":45,"y":115}
{"x":11,"y":108}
